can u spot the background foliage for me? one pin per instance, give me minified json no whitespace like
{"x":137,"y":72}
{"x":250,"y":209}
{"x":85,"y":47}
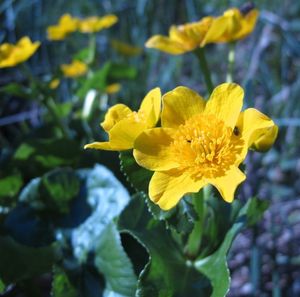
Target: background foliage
{"x":264,"y":259}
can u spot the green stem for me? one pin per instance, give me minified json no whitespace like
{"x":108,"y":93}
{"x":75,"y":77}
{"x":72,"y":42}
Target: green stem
{"x":195,"y":238}
{"x":48,"y":102}
{"x":231,"y":59}
{"x":92,"y":48}
{"x":51,"y":107}
{"x":200,"y":53}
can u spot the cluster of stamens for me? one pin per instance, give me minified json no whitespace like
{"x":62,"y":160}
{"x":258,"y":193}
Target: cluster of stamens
{"x":138,"y":117}
{"x":206,"y":147}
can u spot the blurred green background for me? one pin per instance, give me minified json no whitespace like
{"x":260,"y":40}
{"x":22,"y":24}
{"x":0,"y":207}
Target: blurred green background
{"x":265,"y":260}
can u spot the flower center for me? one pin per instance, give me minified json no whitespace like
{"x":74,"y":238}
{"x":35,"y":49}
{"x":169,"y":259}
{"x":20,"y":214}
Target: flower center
{"x":206,"y":147}
{"x":138,"y":117}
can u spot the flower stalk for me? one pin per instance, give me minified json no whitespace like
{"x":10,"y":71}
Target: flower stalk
{"x":200,"y":53}
{"x":195,"y":238}
{"x":231,"y":60}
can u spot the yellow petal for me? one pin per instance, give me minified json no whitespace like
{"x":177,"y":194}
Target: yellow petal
{"x":166,"y":44}
{"x":248,"y":24}
{"x":167,"y":188}
{"x":150,"y":107}
{"x":227,"y":184}
{"x":266,"y":140}
{"x":96,"y":24}
{"x":215,"y":31}
{"x":101,"y":146}
{"x":252,"y":124}
{"x":225,"y":103}
{"x":179,"y":105}
{"x":152,"y":151}
{"x":124,"y":133}
{"x":11,"y":55}
{"x":115,"y":114}
{"x":75,"y":69}
{"x":113,"y":88}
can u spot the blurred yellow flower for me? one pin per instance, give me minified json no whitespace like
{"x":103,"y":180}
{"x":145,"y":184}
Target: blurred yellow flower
{"x":231,"y":26}
{"x":66,"y":25}
{"x":75,"y":69}
{"x":113,"y":88}
{"x":124,"y":125}
{"x":95,"y":24}
{"x":125,"y":48}
{"x":199,"y":143}
{"x":183,"y":38}
{"x":54,"y":83}
{"x":11,"y":55}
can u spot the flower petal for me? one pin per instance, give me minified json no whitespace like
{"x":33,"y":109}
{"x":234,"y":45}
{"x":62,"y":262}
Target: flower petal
{"x":248,"y":24}
{"x":252,"y":124}
{"x":227,"y":184}
{"x":267,"y":139}
{"x":216,"y":30}
{"x":152,"y":151}
{"x":150,"y":107}
{"x":166,"y":45}
{"x":101,"y":146}
{"x":167,"y":188}
{"x":114,"y":115}
{"x":225,"y":103}
{"x":124,"y":133}
{"x":179,"y":105}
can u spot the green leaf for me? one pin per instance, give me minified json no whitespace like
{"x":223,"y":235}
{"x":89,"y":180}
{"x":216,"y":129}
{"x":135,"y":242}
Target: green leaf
{"x":2,"y":287}
{"x":98,"y":235}
{"x":138,"y":176}
{"x":16,"y":89}
{"x":181,"y":218}
{"x":84,"y":55}
{"x":10,"y":185}
{"x":53,"y":191}
{"x":215,"y":265}
{"x":64,"y":109}
{"x":58,"y":188}
{"x":122,"y":71}
{"x":39,"y":155}
{"x":61,"y":285}
{"x":19,"y":262}
{"x":97,"y":81}
{"x":168,"y":272}
{"x":112,"y":261}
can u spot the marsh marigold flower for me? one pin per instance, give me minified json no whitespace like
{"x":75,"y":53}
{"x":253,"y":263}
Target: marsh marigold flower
{"x":11,"y":55}
{"x":95,"y":24}
{"x":66,"y":25}
{"x":124,"y":125}
{"x":199,"y":143}
{"x":231,"y":26}
{"x":113,"y":88}
{"x":75,"y":69}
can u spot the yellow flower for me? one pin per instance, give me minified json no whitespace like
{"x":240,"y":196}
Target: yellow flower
{"x":66,"y":25}
{"x":54,"y":83}
{"x":183,"y":38}
{"x":124,"y":125}
{"x":125,"y":48}
{"x":113,"y":88}
{"x":235,"y":25}
{"x":95,"y":24}
{"x":11,"y":55}
{"x":263,"y":139}
{"x":231,"y":26}
{"x":199,"y":143}
{"x":75,"y":69}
